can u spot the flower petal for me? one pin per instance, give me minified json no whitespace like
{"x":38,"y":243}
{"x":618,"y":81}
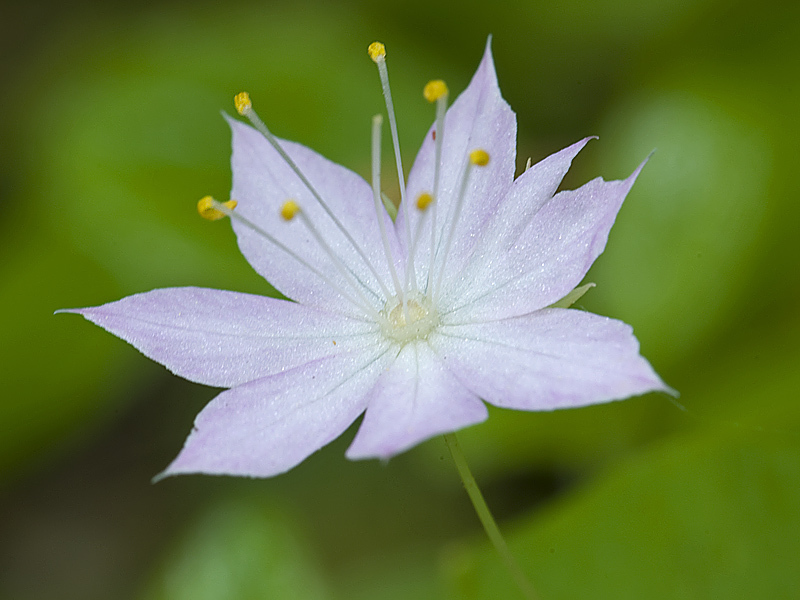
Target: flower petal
{"x":414,"y":400}
{"x":553,"y":358}
{"x":263,"y":181}
{"x":529,"y":193}
{"x":226,"y":338}
{"x":268,"y":426}
{"x":550,"y":257}
{"x":479,"y":118}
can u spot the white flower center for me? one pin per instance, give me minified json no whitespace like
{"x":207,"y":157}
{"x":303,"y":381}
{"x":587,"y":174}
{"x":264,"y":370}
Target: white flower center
{"x":413,"y":321}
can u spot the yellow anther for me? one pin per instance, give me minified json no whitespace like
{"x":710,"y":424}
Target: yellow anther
{"x":242,"y":102}
{"x":289,"y":209}
{"x":376,"y":50}
{"x":207,"y":207}
{"x":424,"y":201}
{"x":479,"y":158}
{"x":434,"y":90}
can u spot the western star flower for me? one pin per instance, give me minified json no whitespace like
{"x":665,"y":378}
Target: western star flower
{"x":416,"y":321}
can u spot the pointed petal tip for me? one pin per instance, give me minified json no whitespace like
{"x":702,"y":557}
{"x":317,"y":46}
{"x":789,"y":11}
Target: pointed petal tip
{"x":632,"y":177}
{"x":233,"y":122}
{"x":487,"y":61}
{"x":668,"y":390}
{"x":359,"y":450}
{"x":580,"y":144}
{"x":654,"y":384}
{"x":357,"y":454}
{"x":171,"y":472}
{"x":184,"y":464}
{"x":85,"y":312}
{"x":161,"y":476}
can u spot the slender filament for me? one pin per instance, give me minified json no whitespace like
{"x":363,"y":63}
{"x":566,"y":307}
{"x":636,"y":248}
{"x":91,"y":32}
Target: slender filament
{"x":340,"y":266}
{"x":387,"y":96}
{"x":256,"y":121}
{"x":441,"y":110}
{"x":377,"y":121}
{"x":361,"y":303}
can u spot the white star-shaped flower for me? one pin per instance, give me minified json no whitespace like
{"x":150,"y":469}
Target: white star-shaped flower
{"x":417,"y":321}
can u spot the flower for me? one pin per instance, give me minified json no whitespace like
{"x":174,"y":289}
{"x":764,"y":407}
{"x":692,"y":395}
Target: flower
{"x":417,"y":321}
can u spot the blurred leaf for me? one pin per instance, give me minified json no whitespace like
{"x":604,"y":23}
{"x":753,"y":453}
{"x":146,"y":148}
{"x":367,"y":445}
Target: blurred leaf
{"x":708,"y":515}
{"x":132,"y":136}
{"x":393,"y":576}
{"x":239,"y":549}
{"x":45,"y":354}
{"x":682,"y":253}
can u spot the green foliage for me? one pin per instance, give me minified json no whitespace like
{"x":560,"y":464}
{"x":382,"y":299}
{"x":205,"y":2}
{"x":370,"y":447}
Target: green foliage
{"x":239,"y":549}
{"x":698,"y":200}
{"x":33,"y":409}
{"x":114,"y":131}
{"x":708,"y":515}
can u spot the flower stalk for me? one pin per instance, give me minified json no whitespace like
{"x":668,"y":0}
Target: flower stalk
{"x":486,"y":517}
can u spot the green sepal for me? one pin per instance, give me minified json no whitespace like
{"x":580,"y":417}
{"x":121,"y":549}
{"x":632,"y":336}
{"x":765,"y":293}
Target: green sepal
{"x":390,"y":206}
{"x":572,"y":297}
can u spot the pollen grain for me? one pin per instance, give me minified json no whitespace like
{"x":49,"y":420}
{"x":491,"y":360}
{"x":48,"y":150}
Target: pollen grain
{"x":289,"y":209}
{"x":207,"y":207}
{"x":376,"y":51}
{"x":479,"y":157}
{"x":424,"y":200}
{"x":242,"y":103}
{"x":434,"y":90}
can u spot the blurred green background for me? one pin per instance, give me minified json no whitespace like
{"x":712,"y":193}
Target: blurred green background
{"x":111,"y":131}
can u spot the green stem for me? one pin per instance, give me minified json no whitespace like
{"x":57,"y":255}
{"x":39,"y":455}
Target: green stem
{"x":485,"y":515}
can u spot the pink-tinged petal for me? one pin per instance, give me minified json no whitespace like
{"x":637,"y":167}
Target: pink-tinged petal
{"x":263,"y":181}
{"x":550,"y":257}
{"x":529,"y":193}
{"x":553,"y":358}
{"x":268,"y":426}
{"x":414,"y":400}
{"x":225,"y":339}
{"x":479,"y":118}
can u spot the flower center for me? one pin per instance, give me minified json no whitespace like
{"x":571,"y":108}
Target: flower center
{"x":413,"y":321}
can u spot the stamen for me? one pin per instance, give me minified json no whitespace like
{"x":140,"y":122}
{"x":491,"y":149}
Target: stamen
{"x":479,"y":157}
{"x":242,"y":103}
{"x":424,"y":201}
{"x":291,"y":209}
{"x":377,"y":53}
{"x":205,"y":206}
{"x":245,"y":108}
{"x":377,"y":121}
{"x":376,"y":50}
{"x":476,"y":158}
{"x":436,"y":91}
